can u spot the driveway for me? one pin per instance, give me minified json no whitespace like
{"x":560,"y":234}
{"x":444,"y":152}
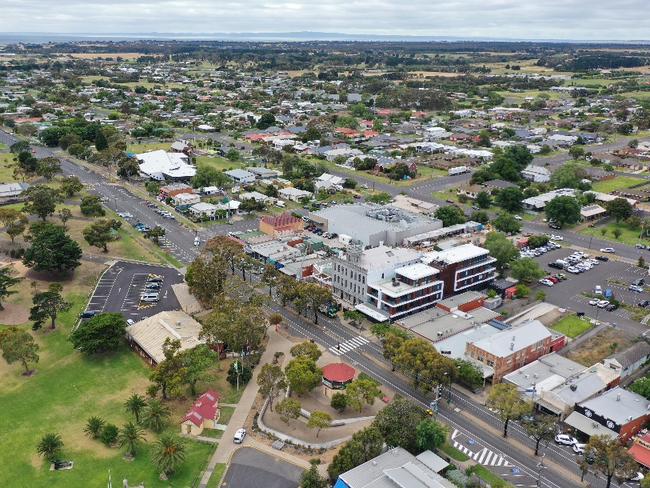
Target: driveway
{"x":251,"y":468}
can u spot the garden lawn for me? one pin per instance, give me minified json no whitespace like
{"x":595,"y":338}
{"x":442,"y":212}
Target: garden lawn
{"x":572,"y":326}
{"x":67,"y":389}
{"x":617,"y":183}
{"x":217,"y":474}
{"x":6,"y":168}
{"x":489,"y":477}
{"x":628,"y":236}
{"x":453,"y":453}
{"x":218,"y":163}
{"x":148,"y":146}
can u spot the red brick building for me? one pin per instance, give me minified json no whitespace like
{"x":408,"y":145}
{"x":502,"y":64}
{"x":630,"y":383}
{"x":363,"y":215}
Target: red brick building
{"x":281,"y":224}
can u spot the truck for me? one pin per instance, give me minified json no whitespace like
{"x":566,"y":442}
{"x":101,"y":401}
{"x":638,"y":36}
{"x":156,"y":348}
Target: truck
{"x":458,"y":170}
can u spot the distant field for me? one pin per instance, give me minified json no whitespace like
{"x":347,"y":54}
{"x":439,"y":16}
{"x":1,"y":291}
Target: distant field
{"x":106,"y":55}
{"x":617,"y":183}
{"x":639,"y":95}
{"x":148,"y":146}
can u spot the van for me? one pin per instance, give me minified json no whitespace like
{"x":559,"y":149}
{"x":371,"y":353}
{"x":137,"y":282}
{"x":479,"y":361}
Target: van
{"x":598,"y":290}
{"x":149,"y":297}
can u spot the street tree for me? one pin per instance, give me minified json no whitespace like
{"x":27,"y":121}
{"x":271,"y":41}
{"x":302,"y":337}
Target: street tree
{"x":18,"y":345}
{"x":206,"y":278}
{"x":7,"y":281}
{"x":506,"y":223}
{"x":469,"y":374}
{"x":610,"y":458}
{"x":288,"y":409}
{"x":50,"y":447}
{"x":450,"y":215}
{"x":241,"y":324}
{"x":41,"y":201}
{"x":303,"y":375}
{"x":130,"y":436}
{"x":509,"y":199}
{"x":169,"y":453}
{"x":541,"y":429}
{"x":526,"y":270}
{"x":319,"y":420}
{"x":362,"y":391}
{"x":47,"y":305}
{"x":506,"y":400}
{"x":430,"y":435}
{"x":312,"y":479}
{"x":156,"y":233}
{"x":619,"y":208}
{"x":270,"y":277}
{"x":563,"y":210}
{"x":483,"y":199}
{"x":51,"y":250}
{"x":134,"y":405}
{"x":398,"y":422}
{"x":365,"y":445}
{"x":228,"y":249}
{"x":271,"y":381}
{"x":71,"y":185}
{"x":306,"y":348}
{"x":48,"y":167}
{"x":91,"y":206}
{"x":500,"y":249}
{"x":102,"y":333}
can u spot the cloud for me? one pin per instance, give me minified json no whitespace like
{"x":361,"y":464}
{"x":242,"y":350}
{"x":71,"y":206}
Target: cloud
{"x":529,"y":19}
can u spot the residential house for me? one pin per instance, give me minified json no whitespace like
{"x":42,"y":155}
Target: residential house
{"x":185,"y":199}
{"x":170,"y":191}
{"x":240,"y":176}
{"x":631,"y":360}
{"x":294,"y":194}
{"x":204,"y":414}
{"x":536,"y":174}
{"x":203,"y":211}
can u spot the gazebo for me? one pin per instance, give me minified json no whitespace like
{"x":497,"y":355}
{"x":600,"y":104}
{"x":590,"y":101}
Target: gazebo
{"x":337,"y":375}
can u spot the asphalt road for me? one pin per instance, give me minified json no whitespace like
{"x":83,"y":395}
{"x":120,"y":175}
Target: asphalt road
{"x":251,"y":468}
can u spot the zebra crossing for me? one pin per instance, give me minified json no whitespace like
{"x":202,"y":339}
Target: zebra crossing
{"x":349,"y":345}
{"x":484,"y":457}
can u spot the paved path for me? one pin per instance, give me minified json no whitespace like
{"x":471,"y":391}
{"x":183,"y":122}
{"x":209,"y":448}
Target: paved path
{"x":225,"y":448}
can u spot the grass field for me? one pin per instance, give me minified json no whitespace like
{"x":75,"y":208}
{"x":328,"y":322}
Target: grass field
{"x":217,"y":474}
{"x":148,"y":146}
{"x":617,"y":183}
{"x":453,"y":453}
{"x":628,"y":236}
{"x":572,"y":326}
{"x":7,"y":168}
{"x":218,"y":163}
{"x":489,"y":477}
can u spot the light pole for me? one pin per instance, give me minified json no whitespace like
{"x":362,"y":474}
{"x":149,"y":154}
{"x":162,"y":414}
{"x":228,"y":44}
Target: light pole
{"x":540,"y":467}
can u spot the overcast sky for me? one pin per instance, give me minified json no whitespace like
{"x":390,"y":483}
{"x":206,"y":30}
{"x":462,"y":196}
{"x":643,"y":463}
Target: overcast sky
{"x":529,"y":19}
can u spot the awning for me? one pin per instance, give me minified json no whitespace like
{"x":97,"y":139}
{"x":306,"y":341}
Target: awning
{"x":589,"y":426}
{"x":372,"y":312}
{"x":641,"y":454}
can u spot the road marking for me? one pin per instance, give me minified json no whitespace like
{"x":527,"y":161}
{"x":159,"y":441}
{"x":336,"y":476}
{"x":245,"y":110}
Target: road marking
{"x":349,"y":345}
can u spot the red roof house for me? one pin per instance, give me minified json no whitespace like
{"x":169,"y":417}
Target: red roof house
{"x":204,"y":414}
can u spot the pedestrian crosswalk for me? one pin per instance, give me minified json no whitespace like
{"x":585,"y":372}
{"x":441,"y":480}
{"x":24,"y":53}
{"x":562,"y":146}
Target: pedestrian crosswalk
{"x":484,"y":456}
{"x":349,"y":345}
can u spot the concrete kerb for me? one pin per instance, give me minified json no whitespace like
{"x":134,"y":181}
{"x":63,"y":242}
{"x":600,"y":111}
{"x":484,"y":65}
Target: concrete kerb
{"x":93,"y":292}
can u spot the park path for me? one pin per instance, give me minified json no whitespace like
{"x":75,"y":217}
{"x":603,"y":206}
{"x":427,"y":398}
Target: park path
{"x":226,"y":447}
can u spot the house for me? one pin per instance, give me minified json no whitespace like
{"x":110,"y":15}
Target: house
{"x":181,"y":146}
{"x":185,"y":199}
{"x":294,"y":194}
{"x":281,"y":224}
{"x":631,"y":360}
{"x":161,"y":165}
{"x":203,"y":211}
{"x":12,"y":192}
{"x":263,"y":173}
{"x":255,"y":195}
{"x":147,"y":336}
{"x":592,"y":212}
{"x":617,"y":413}
{"x":539,"y":202}
{"x":170,"y":191}
{"x":240,"y":176}
{"x":640,"y":450}
{"x":536,"y":174}
{"x":204,"y":414}
{"x":397,"y":468}
{"x":328,"y":182}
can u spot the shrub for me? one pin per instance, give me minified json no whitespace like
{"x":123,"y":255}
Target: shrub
{"x":109,"y":434}
{"x":339,"y":402}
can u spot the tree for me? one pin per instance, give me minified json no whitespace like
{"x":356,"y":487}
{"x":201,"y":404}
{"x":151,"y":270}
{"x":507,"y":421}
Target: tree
{"x":195,"y":363}
{"x":430,"y":435}
{"x":506,"y":223}
{"x":266,"y":120}
{"x":303,"y":375}
{"x":7,"y":280}
{"x":130,"y":436}
{"x":537,"y":241}
{"x":381,"y":198}
{"x":94,"y":427}
{"x":64,"y":215}
{"x":313,"y":296}
{"x":209,"y":176}
{"x":450,"y":215}
{"x":48,"y":167}
{"x":47,"y":304}
{"x":288,"y":409}
{"x":155,"y":415}
{"x":576,"y":152}
{"x":206,"y":278}
{"x":91,"y":206}
{"x":238,"y":373}
{"x":319,"y":420}
{"x":307,"y":348}
{"x":109,"y":434}
{"x":51,"y":250}
{"x":41,"y":201}
{"x":398,"y":423}
{"x":241,"y":324}
{"x":617,"y":233}
{"x":610,"y":458}
{"x":505,"y":399}
{"x":339,"y":401}
{"x":101,"y":232}
{"x":14,"y":221}
{"x":50,"y":447}
{"x":362,"y":391}
{"x":102,"y":333}
{"x":18,"y":346}
{"x":134,"y":405}
{"x":526,"y":270}
{"x":168,"y":453}
{"x":541,"y":429}
{"x":156,"y":233}
{"x":500,"y":249}
{"x":509,"y":199}
{"x":364,"y":446}
{"x":568,"y":175}
{"x":71,"y":185}
{"x":483,"y":199}
{"x":619,"y":208}
{"x":270,"y":277}
{"x":480,"y":216}
{"x":101,"y":143}
{"x":469,"y":374}
{"x":271,"y":382}
{"x":312,"y":479}
{"x":563,"y":210}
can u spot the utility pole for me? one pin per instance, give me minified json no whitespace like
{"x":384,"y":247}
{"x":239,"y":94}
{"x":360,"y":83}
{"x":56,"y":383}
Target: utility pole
{"x":540,"y":467}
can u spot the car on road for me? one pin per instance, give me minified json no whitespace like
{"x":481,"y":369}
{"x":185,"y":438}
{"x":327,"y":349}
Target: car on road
{"x":609,"y":250}
{"x":602,"y":258}
{"x":197,"y":241}
{"x":636,"y":288}
{"x":565,"y":440}
{"x":239,"y":436}
{"x":602,"y":303}
{"x":579,"y":448}
{"x":593,"y":302}
{"x":611,"y":307}
{"x":130,"y":321}
{"x":553,"y":237}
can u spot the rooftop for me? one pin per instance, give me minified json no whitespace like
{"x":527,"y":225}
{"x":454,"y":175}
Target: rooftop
{"x":544,"y":374}
{"x":509,"y":341}
{"x":456,"y":254}
{"x":619,"y":405}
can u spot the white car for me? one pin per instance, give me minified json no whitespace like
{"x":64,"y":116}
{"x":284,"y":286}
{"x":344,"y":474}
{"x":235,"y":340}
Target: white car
{"x":517,"y":217}
{"x":593,"y":302}
{"x":546,"y":282}
{"x":636,"y":288}
{"x":638,"y":477}
{"x":607,"y":250}
{"x":556,"y":238}
{"x":130,"y":322}
{"x":603,"y":303}
{"x":239,"y":436}
{"x":197,"y":241}
{"x":598,"y":290}
{"x":579,"y":448}
{"x":565,"y":440}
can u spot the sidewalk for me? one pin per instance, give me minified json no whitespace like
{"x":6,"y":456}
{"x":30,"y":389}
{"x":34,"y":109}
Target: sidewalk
{"x":225,"y":449}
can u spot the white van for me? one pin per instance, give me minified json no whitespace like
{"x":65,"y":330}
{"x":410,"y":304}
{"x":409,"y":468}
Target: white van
{"x":149,"y":297}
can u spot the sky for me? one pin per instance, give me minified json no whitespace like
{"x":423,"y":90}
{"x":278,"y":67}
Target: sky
{"x":515,"y":19}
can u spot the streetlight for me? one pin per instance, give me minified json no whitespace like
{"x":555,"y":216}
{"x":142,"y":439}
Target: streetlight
{"x":540,"y":467}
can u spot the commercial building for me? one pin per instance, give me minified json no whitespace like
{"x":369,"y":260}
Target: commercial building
{"x":160,"y":165}
{"x":281,"y":224}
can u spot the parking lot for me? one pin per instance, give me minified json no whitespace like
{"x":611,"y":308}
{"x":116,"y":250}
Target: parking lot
{"x":251,"y":468}
{"x":120,"y":289}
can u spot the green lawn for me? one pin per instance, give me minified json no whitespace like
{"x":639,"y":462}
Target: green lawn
{"x":453,"y":453}
{"x":67,"y":389}
{"x":226,"y":414}
{"x":217,"y":474}
{"x":617,"y":183}
{"x":488,"y":476}
{"x":148,"y":146}
{"x":221,"y":164}
{"x":6,"y":168}
{"x":572,"y":326}
{"x":628,"y":236}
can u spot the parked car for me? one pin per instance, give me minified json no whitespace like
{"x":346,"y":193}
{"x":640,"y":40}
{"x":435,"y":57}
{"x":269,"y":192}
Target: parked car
{"x":593,"y":302}
{"x":639,"y":476}
{"x":602,"y":258}
{"x":598,"y":290}
{"x":641,"y":246}
{"x":602,"y":303}
{"x":565,"y":440}
{"x":609,"y":250}
{"x":88,"y":314}
{"x":636,"y":288}
{"x":643,"y":304}
{"x":579,"y":448}
{"x":239,"y":437}
{"x":546,"y":282}
{"x":639,"y":282}
{"x":611,"y":307}
{"x":130,"y":321}
{"x":149,"y":297}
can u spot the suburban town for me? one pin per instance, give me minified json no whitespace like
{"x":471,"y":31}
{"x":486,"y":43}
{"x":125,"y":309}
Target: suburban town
{"x":324,"y":263}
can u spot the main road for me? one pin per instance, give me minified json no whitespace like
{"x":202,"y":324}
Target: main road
{"x":333,"y":335}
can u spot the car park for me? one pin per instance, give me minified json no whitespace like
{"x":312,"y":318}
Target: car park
{"x":639,"y":282}
{"x":593,"y":302}
{"x":611,"y":307}
{"x":636,"y":288}
{"x":239,"y":436}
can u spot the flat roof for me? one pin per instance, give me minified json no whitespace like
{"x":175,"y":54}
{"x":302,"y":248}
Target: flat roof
{"x":456,"y":344}
{"x":417,"y":271}
{"x":509,"y":341}
{"x":589,"y":426}
{"x":546,"y":373}
{"x":619,"y":405}
{"x":448,"y":324}
{"x":456,"y":254}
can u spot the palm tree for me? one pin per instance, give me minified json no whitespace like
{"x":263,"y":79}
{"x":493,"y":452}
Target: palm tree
{"x":169,"y":453}
{"x":50,"y":447}
{"x":134,"y":406}
{"x":94,"y":427}
{"x":130,"y":436}
{"x":155,"y":415}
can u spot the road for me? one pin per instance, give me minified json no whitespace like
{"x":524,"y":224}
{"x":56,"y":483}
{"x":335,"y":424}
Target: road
{"x":331,"y":333}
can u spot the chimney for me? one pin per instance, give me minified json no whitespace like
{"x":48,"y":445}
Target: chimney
{"x":512,"y":346}
{"x":618,"y":397}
